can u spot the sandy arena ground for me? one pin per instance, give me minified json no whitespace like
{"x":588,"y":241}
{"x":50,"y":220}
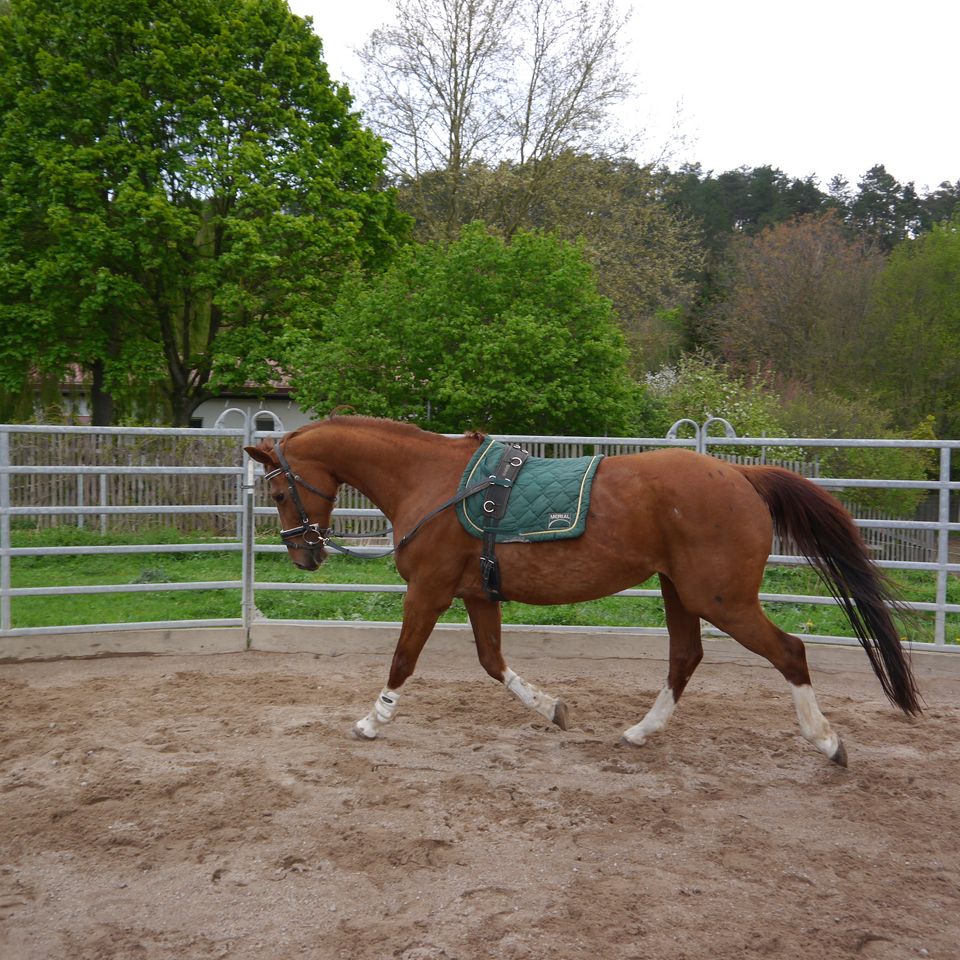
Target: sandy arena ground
{"x":215,"y":806}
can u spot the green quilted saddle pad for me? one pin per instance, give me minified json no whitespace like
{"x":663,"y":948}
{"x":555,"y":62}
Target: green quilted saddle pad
{"x":549,"y":500}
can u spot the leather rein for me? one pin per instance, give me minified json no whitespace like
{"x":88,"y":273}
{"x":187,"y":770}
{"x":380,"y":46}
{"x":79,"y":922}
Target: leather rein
{"x":322,"y":535}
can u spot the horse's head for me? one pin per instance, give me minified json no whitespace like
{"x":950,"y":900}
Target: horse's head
{"x":302,"y":502}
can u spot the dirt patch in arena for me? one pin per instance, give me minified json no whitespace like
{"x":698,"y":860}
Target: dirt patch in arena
{"x":216,"y":806}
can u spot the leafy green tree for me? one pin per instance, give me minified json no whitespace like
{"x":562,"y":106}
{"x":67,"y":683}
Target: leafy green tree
{"x":503,"y":337}
{"x":741,"y":201}
{"x":825,"y":414}
{"x":940,"y":204}
{"x":794,"y":302}
{"x":698,"y":387}
{"x":646,"y":255}
{"x":913,"y":360}
{"x":179,"y":181}
{"x":885,"y":209}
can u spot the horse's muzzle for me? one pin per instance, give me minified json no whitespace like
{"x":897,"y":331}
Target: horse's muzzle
{"x":309,"y":553}
{"x":307,"y":558}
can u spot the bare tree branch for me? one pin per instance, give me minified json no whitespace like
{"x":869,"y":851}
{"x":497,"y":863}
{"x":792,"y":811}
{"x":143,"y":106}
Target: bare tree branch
{"x":460,"y":82}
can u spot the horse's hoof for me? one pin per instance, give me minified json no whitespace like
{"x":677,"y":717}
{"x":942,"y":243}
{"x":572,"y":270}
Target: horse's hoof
{"x":361,"y":733}
{"x":840,"y":754}
{"x":624,"y":742}
{"x":561,"y":715}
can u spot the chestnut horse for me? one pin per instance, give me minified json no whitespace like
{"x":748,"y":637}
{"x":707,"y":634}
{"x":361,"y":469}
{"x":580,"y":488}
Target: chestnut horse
{"x":703,"y":525}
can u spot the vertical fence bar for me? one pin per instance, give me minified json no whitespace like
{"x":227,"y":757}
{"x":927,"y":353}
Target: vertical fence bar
{"x":943,"y":549}
{"x":5,"y":623}
{"x":81,"y":520}
{"x":103,"y":503}
{"x":249,"y":530}
{"x":239,"y":491}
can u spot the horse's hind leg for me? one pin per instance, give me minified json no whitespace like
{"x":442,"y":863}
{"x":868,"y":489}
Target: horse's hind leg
{"x":756,"y":632}
{"x":485,"y":621}
{"x":686,"y":651}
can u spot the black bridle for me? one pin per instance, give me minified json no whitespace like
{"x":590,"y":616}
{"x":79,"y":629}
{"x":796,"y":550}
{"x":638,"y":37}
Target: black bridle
{"x":306,"y":530}
{"x":314,"y":537}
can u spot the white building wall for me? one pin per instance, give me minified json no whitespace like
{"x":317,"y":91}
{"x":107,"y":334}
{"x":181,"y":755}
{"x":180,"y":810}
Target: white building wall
{"x":289,"y":415}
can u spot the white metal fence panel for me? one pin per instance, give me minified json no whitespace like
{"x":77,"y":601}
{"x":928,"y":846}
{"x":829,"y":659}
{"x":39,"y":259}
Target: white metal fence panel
{"x":198,"y":478}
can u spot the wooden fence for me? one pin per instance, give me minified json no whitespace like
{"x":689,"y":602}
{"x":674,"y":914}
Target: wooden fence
{"x":56,"y":490}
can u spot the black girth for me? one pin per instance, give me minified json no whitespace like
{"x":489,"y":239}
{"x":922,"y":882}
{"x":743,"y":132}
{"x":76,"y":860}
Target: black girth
{"x":494,"y":508}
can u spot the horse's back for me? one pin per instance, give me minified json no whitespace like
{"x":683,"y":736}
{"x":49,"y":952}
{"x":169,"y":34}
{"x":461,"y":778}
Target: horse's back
{"x":677,"y":483}
{"x":665,"y":511}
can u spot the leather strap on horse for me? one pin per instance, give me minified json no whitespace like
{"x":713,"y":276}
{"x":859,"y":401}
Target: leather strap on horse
{"x":453,"y":501}
{"x":328,"y":533}
{"x":494,"y":508}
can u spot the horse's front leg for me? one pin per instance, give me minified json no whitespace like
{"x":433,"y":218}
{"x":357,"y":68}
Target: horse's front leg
{"x":420,"y":614}
{"x":485,"y":621}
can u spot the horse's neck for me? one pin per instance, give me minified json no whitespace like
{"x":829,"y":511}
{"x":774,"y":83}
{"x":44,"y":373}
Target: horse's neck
{"x":380,"y":462}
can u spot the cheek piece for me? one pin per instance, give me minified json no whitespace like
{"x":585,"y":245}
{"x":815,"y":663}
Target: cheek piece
{"x":313,"y":536}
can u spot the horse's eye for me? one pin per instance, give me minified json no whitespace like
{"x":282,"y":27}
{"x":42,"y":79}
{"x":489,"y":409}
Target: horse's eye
{"x":279,"y":497}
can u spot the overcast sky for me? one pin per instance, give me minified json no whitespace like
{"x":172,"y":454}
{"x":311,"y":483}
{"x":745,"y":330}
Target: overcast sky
{"x":817,"y":87}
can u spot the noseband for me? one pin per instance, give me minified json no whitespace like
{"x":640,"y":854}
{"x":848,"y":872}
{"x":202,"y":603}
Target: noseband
{"x":314,"y":536}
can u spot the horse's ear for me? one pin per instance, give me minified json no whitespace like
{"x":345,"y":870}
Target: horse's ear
{"x":257,"y":454}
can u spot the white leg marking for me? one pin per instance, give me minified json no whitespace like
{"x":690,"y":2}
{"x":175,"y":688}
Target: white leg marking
{"x":382,"y":713}
{"x":813,"y":724}
{"x":529,"y":695}
{"x":655,"y":720}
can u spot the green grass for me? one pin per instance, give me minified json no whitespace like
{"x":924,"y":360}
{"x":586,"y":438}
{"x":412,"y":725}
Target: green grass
{"x":190,"y":566}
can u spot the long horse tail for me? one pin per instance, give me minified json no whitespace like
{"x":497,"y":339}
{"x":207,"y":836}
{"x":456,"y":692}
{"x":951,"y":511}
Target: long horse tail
{"x":826,"y":535}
